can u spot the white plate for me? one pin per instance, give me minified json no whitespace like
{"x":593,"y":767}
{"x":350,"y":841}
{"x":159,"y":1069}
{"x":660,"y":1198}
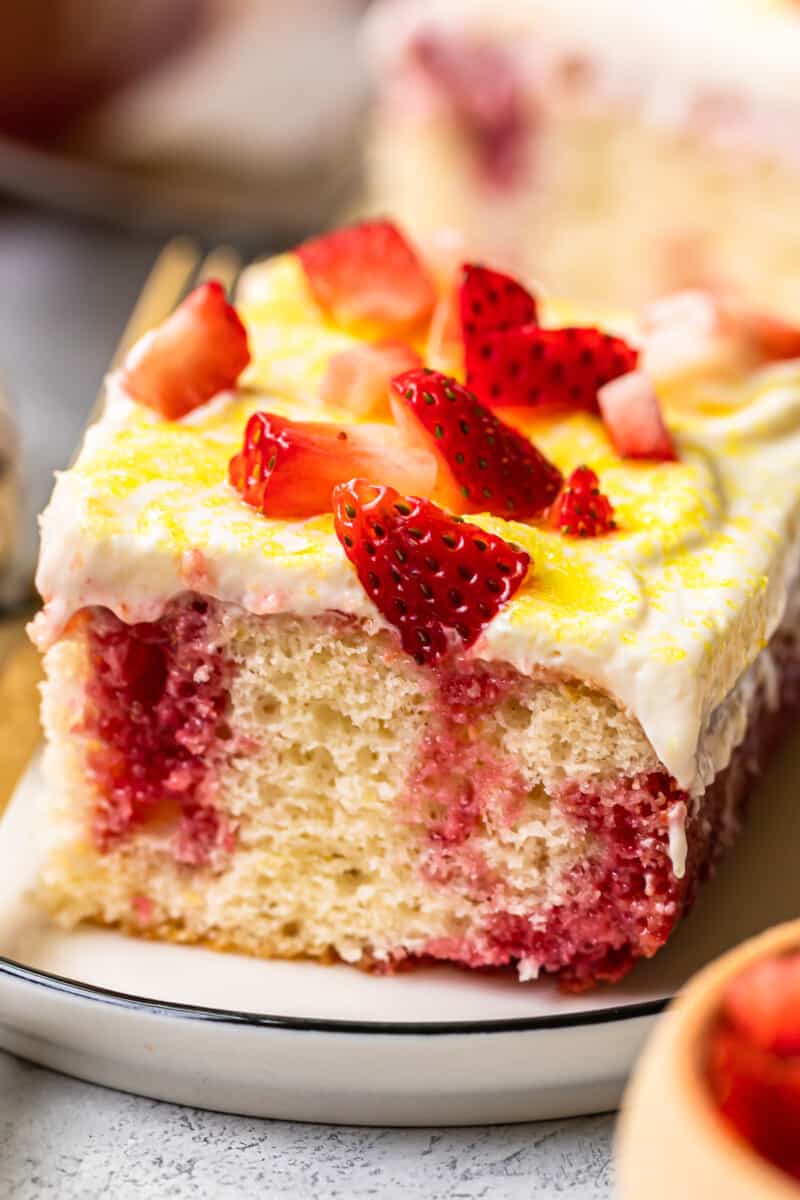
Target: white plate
{"x":329,"y":1043}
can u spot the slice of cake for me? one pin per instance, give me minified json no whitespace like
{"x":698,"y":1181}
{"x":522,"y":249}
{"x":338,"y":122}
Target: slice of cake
{"x":603,"y":147}
{"x":350,"y":657}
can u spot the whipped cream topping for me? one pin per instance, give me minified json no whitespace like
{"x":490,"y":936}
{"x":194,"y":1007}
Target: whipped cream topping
{"x":666,"y":615}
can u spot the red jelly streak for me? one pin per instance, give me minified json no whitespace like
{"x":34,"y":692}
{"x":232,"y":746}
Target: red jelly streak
{"x":621,"y":901}
{"x":481,"y":85}
{"x":461,"y":784}
{"x":754,"y":1060}
{"x":157,"y":700}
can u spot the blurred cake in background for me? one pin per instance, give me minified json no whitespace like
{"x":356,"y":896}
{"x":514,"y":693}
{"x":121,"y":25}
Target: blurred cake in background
{"x":619,"y":149}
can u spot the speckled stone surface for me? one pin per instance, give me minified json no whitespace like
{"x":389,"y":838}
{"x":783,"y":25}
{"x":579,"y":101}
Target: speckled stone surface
{"x":65,"y":1140}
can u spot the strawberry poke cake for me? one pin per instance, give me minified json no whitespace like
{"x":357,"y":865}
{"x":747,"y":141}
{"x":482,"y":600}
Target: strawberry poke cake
{"x":397,"y":615}
{"x":603,"y":147}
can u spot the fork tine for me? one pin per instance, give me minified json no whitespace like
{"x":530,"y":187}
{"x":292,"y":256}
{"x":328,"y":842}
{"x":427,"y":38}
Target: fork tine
{"x":164,"y":287}
{"x":223,"y":264}
{"x":169,"y":278}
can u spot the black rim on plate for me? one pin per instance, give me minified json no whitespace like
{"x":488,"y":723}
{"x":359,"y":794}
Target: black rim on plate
{"x":194,"y":1012}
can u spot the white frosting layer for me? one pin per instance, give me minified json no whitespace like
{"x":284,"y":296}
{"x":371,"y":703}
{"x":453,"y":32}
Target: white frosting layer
{"x":666,"y":615}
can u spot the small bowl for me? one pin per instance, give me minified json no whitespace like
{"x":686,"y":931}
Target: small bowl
{"x":672,"y":1142}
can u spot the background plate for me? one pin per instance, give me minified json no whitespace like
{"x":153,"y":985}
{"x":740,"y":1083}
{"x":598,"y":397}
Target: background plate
{"x":329,"y":1043}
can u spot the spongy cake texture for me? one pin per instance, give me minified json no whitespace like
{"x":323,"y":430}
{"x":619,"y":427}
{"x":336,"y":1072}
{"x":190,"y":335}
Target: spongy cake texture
{"x":351,"y":804}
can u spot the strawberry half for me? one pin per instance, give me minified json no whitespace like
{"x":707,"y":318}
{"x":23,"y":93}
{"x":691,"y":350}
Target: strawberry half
{"x":358,"y":379}
{"x":200,"y":350}
{"x":368,"y":273}
{"x":289,"y":468}
{"x":556,"y":368}
{"x":632,"y":415}
{"x":582,"y":510}
{"x":490,"y":300}
{"x":436,"y":578}
{"x":485,"y":466}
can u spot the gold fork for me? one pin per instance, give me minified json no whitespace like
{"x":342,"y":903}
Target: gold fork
{"x":177,"y":269}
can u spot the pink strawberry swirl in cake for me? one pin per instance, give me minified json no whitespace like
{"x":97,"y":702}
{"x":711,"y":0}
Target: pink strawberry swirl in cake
{"x":406,"y":616}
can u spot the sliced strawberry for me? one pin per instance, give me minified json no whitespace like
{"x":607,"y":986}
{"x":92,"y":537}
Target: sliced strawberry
{"x":289,"y":468}
{"x":201,"y":349}
{"x":489,"y":300}
{"x":436,"y":578}
{"x":556,"y":368}
{"x":582,"y":510}
{"x":632,"y":415}
{"x":368,"y":273}
{"x":763,"y":1003}
{"x":358,"y":379}
{"x":485,"y":466}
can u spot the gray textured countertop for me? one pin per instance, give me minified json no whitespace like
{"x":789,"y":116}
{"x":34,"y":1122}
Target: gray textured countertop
{"x":65,"y":1140}
{"x":65,"y":291}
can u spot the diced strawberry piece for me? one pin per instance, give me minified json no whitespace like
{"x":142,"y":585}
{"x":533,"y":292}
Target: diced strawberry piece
{"x":289,"y":468}
{"x":582,"y":510}
{"x":554,"y":368}
{"x":763,"y":1003}
{"x":488,"y":467}
{"x":771,"y":337}
{"x":632,"y":415}
{"x":358,"y":379}
{"x":436,"y":578}
{"x":683,"y":335}
{"x":368,"y":273}
{"x":489,"y":300}
{"x":200,"y":350}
